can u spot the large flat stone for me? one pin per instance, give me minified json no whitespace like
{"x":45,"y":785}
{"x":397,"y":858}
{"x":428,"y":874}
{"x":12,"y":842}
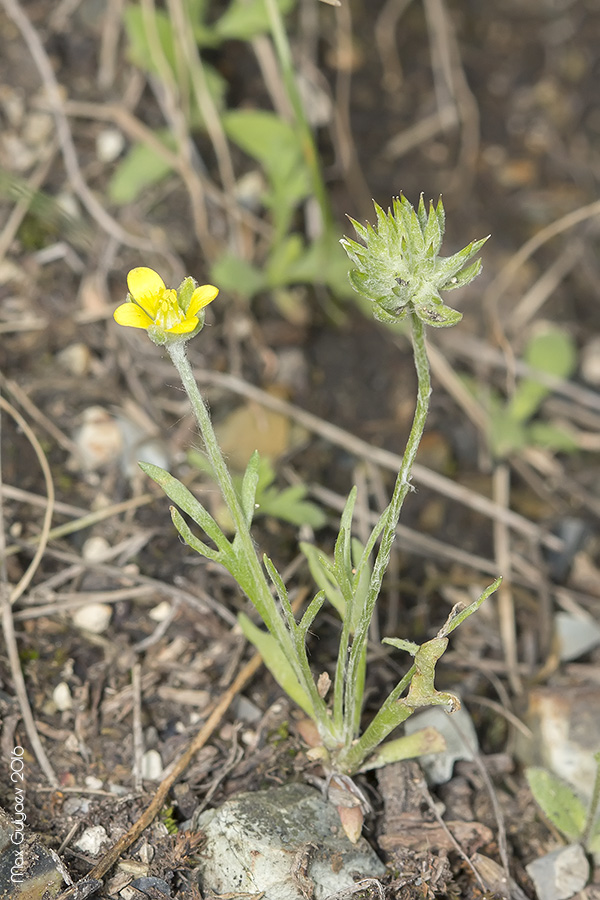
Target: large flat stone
{"x":285,"y":841}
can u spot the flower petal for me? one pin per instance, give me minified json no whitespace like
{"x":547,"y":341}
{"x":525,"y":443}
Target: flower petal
{"x":146,"y":287}
{"x":131,"y":314}
{"x":201,"y":297}
{"x":185,"y":326}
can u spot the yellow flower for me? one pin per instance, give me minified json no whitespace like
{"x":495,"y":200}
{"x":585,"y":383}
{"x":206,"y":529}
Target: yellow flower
{"x":151,"y":305}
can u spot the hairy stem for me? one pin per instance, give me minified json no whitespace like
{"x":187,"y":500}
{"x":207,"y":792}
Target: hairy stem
{"x":392,"y":515}
{"x":251,"y":570}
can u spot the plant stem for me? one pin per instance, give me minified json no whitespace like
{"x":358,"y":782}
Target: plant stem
{"x":252,"y":574}
{"x":180,"y":361}
{"x":392,"y":514}
{"x":262,"y":597}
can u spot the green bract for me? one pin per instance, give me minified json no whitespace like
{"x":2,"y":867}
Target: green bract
{"x":399,"y":269}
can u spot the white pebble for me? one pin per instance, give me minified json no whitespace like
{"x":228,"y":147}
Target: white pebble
{"x":92,"y":840}
{"x":75,"y":359}
{"x":93,"y":783}
{"x":62,"y":697}
{"x":110,"y":143}
{"x":95,"y":549}
{"x":152,"y":767}
{"x":93,"y":617}
{"x":99,"y":440}
{"x":160,"y":613}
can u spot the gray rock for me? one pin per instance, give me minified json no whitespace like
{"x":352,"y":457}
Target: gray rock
{"x":286,"y":842}
{"x":459,"y":733}
{"x":560,"y":874}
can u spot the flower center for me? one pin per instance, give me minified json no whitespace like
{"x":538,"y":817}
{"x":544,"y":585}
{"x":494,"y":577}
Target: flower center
{"x":168,"y":313}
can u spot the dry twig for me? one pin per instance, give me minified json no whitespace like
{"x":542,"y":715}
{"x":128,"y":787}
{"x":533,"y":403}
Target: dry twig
{"x":9,"y":597}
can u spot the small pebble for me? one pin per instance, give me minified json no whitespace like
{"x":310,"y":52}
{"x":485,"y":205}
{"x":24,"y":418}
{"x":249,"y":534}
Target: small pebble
{"x":62,"y":697}
{"x":110,"y":143}
{"x":99,"y":440}
{"x":560,"y":874}
{"x":93,"y":783}
{"x":92,"y":840}
{"x":576,"y":635}
{"x":152,"y":767}
{"x":75,"y":359}
{"x":68,"y":204}
{"x":160,"y":612}
{"x":93,"y":617}
{"x":95,"y":549}
{"x":459,"y":733}
{"x":76,"y":805}
{"x":146,"y":853}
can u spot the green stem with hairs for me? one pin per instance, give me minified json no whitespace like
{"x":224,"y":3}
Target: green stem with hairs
{"x":250,"y":573}
{"x":261,"y":597}
{"x":353,"y":699}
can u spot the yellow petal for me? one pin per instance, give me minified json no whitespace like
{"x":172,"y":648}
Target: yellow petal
{"x":146,"y":286}
{"x":131,"y":314}
{"x":201,"y":297}
{"x":184,"y":327}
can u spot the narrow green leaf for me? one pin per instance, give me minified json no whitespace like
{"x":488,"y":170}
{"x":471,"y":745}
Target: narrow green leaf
{"x":323,"y":572}
{"x":249,"y":486}
{"x":342,"y":556}
{"x":184,"y":498}
{"x":419,"y":743}
{"x":310,"y":613}
{"x":276,"y":662}
{"x":401,"y":644}
{"x":558,"y":801}
{"x":141,"y":47}
{"x":191,"y":539}
{"x":280,"y":588}
{"x":458,"y":616}
{"x":153,"y":43}
{"x":360,"y":583}
{"x":364,"y":561}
